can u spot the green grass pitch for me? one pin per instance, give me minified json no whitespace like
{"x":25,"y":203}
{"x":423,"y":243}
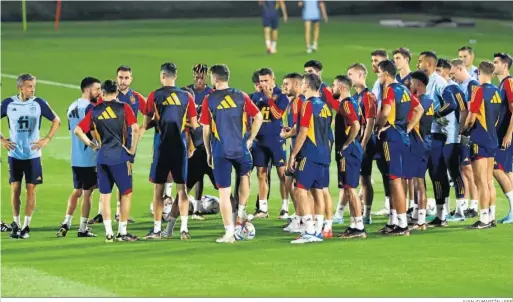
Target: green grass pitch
{"x":452,"y":262}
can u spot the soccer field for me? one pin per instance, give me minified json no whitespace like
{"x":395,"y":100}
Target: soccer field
{"x":450,"y":262}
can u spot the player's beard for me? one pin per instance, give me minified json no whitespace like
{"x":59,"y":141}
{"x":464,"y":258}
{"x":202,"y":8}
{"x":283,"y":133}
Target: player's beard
{"x":94,"y":99}
{"x":336,"y":94}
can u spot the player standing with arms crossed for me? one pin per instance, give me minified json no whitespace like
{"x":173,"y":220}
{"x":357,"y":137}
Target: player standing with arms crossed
{"x":269,"y":146}
{"x":485,"y":107}
{"x":271,"y":21}
{"x":24,"y":112}
{"x":312,"y":12}
{"x":83,"y":159}
{"x":467,"y":84}
{"x":313,"y":147}
{"x":224,"y":117}
{"x":502,"y":63}
{"x":109,"y":120}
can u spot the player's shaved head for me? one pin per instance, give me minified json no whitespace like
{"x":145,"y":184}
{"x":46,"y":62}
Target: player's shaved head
{"x":220,"y":72}
{"x":313,"y":66}
{"x":358,"y":66}
{"x":292,"y":84}
{"x":294,"y":76}
{"x":420,"y":76}
{"x":344,"y":80}
{"x":486,"y":68}
{"x":427,"y":61}
{"x":168,"y":70}
{"x":430,"y":55}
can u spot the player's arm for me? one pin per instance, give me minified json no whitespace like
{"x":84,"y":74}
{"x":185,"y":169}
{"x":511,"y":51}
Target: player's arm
{"x":418,"y":110}
{"x":474,"y":108}
{"x":386,"y":108}
{"x":330,"y":100}
{"x":252,"y":110}
{"x":352,"y":119}
{"x":192,"y":114}
{"x":304,"y":125}
{"x":84,"y":127}
{"x":149,"y":112}
{"x":207,"y":131}
{"x":50,"y":115}
{"x":322,"y":6}
{"x":7,"y":143}
{"x":508,"y":87}
{"x":369,"y":102}
{"x":142,"y":109}
{"x":284,"y":11}
{"x":131,"y":121}
{"x":450,"y":104}
{"x":279,"y":106}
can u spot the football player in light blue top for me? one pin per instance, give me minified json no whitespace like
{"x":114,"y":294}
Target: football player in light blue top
{"x":83,"y":159}
{"x":24,"y":112}
{"x":466,"y":54}
{"x":313,"y":10}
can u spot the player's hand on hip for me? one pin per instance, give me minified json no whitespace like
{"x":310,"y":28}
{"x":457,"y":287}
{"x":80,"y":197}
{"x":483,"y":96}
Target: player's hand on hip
{"x":8,"y":144}
{"x":506,"y":142}
{"x":40,"y":144}
{"x":291,"y":164}
{"x":130,"y":151}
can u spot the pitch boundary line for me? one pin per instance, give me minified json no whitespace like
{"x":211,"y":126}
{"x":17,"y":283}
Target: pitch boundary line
{"x":51,"y":83}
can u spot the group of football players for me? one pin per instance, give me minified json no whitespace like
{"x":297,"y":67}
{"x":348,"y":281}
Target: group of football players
{"x":446,"y":118}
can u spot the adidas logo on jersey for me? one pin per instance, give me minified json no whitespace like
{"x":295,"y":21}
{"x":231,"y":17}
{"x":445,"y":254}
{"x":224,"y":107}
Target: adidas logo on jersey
{"x":226,"y":103}
{"x":172,"y":100}
{"x":107,"y":114}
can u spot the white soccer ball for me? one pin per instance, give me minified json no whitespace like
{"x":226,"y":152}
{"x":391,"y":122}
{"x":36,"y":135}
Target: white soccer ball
{"x":245,"y":232}
{"x":431,"y":207}
{"x":209,"y":205}
{"x":166,"y":210}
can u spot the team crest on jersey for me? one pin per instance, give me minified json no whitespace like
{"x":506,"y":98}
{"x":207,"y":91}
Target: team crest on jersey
{"x":132,"y":99}
{"x":32,"y":109}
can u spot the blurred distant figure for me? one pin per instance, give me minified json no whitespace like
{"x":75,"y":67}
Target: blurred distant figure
{"x":270,"y":20}
{"x":312,"y":10}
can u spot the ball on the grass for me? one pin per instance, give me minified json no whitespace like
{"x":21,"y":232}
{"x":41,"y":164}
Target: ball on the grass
{"x":245,"y":232}
{"x":431,"y":207}
{"x":209,"y":205}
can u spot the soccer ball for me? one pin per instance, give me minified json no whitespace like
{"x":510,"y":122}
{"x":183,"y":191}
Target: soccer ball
{"x":209,"y":205}
{"x":166,"y":210}
{"x":431,"y":207}
{"x":245,"y":232}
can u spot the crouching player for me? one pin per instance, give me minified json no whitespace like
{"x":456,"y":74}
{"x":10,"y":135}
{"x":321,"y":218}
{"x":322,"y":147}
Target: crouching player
{"x":349,"y":154}
{"x":312,"y":145}
{"x":419,"y":132}
{"x":109,"y":121}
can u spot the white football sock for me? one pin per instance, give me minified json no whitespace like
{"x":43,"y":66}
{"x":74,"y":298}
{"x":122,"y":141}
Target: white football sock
{"x":168,"y":189}
{"x":319,"y":223}
{"x":328,"y":225}
{"x":170,"y":226}
{"x":402,"y":221}
{"x":358,"y":222}
{"x":461,"y":204}
{"x":83,"y":224}
{"x":242,"y":212}
{"x":509,"y":195}
{"x":415,"y":213}
{"x":422,"y":217}
{"x":274,"y":44}
{"x":122,"y":227}
{"x":484,"y":216}
{"x":17,"y":220}
{"x":262,"y":205}
{"x":285,"y":205}
{"x":229,"y":229}
{"x":67,"y":220}
{"x":195,"y":204}
{"x":340,"y":209}
{"x":268,"y":44}
{"x":314,"y":45}
{"x":352,"y":224}
{"x":367,"y":210}
{"x":26,"y":223}
{"x":440,"y":211}
{"x":492,"y":213}
{"x":309,"y":224}
{"x":446,"y":208}
{"x":387,"y":202}
{"x":394,"y":217}
{"x":108,"y":228}
{"x":183,"y":227}
{"x":157,"y":226}
{"x":474,"y":205}
{"x":411,"y":203}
